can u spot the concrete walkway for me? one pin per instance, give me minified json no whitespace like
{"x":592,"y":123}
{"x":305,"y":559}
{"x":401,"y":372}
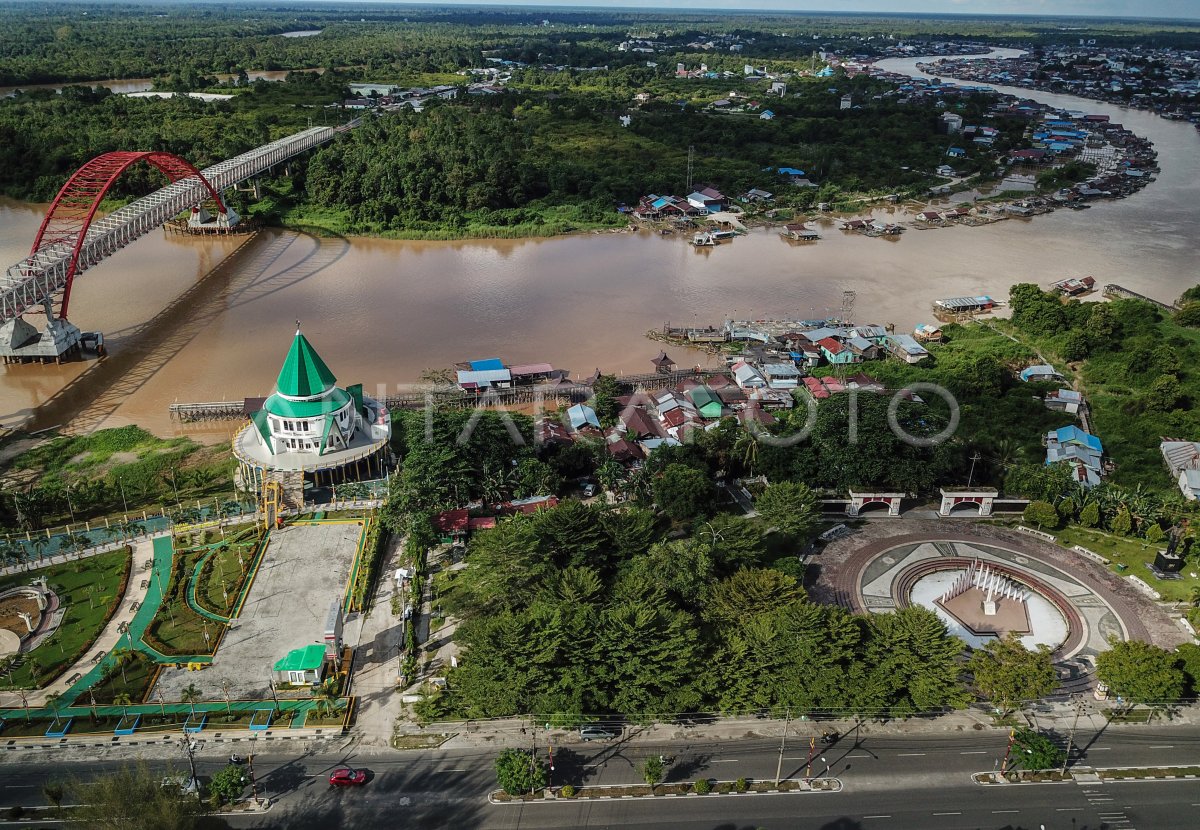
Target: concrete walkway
{"x":110,"y":636}
{"x":378,"y":636}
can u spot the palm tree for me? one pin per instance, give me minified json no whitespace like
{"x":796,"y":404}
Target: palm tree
{"x":35,"y":669}
{"x":328,"y":699}
{"x":191,"y":696}
{"x":122,"y":657}
{"x":746,"y":450}
{"x":123,"y":700}
{"x":52,"y":701}
{"x":39,"y":545}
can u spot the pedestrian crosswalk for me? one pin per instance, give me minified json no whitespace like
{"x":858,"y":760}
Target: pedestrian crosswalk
{"x":1111,"y":815}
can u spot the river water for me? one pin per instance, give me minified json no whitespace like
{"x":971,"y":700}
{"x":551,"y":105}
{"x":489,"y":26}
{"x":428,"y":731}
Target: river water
{"x":380,"y":311}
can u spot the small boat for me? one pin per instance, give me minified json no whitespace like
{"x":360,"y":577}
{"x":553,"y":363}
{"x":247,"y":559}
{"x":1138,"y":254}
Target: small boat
{"x":719,"y":235}
{"x":704,"y":240}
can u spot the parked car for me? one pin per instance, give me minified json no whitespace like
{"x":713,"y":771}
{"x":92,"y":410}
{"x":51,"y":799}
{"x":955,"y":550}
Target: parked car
{"x":598,"y":733}
{"x":347,"y":777}
{"x":184,"y":784}
{"x":589,"y":490}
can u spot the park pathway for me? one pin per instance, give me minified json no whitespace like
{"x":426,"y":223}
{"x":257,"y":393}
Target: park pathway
{"x":113,"y":633}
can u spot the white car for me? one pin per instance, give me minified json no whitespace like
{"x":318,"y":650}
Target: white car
{"x":185,"y":785}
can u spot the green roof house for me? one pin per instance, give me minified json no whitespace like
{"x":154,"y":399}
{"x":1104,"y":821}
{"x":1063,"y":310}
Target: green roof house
{"x":301,"y":666}
{"x":706,"y":401}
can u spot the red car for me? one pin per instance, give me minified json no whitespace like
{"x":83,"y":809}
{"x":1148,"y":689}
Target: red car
{"x":346,"y":777}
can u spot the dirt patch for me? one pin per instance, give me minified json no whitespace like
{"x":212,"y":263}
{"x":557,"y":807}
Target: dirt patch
{"x":10,"y":607}
{"x":14,"y":448}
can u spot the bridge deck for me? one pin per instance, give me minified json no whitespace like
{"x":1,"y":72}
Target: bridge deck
{"x":36,"y":279}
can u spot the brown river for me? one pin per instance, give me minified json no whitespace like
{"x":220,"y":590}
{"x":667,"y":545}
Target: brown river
{"x":381,"y":311}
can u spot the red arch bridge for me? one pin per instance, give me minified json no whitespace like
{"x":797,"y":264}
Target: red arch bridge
{"x":72,"y":239}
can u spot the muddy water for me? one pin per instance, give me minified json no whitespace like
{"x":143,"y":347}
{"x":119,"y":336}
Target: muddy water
{"x":381,"y":311}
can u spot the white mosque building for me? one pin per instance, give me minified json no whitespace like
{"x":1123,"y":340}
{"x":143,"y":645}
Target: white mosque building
{"x":311,"y":430}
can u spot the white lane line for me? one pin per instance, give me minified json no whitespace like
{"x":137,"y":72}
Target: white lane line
{"x":947,"y":814}
{"x":19,"y":786}
{"x":975,"y":752}
{"x":1100,"y":749}
{"x":1067,"y":809}
{"x":998,"y":812}
{"x":454,"y":770}
{"x":888,"y":816}
{"x":725,"y":760}
{"x":860,"y":756}
{"x":1164,"y":746}
{"x":909,"y":754}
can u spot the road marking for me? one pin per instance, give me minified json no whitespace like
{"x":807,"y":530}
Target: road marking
{"x":860,"y":756}
{"x":725,"y":760}
{"x":947,"y":814}
{"x":877,"y":816}
{"x":997,"y":812}
{"x":1099,"y":749}
{"x":454,"y":770}
{"x":19,"y":786}
{"x":910,"y":754}
{"x":975,"y":752}
{"x":1164,"y":746}
{"x":1067,"y":809}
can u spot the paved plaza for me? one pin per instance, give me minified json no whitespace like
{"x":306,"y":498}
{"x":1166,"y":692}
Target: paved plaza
{"x":304,"y":569}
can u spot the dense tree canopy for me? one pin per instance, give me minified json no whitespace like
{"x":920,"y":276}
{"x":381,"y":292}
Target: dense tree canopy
{"x":649,"y":627}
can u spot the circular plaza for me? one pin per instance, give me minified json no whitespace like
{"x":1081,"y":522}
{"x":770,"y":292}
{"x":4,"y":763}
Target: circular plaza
{"x":986,"y":582}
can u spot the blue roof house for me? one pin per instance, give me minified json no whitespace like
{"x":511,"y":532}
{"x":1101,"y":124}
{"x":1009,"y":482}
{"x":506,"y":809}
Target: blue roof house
{"x":582,"y":416}
{"x":1074,"y":435}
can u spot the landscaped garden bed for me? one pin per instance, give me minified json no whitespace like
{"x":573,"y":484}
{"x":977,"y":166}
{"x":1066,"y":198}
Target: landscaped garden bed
{"x":89,"y":590}
{"x":1151,"y":772}
{"x":701,"y":788}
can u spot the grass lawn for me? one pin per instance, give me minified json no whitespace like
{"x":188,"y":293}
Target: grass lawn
{"x":177,"y":629}
{"x":89,"y":590}
{"x":1133,"y":553}
{"x":221,"y":579}
{"x":113,"y":467}
{"x":135,"y":682}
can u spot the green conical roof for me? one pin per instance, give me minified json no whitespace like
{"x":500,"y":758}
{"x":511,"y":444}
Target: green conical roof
{"x":304,"y":374}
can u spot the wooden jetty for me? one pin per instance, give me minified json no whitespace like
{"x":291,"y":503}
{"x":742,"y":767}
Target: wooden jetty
{"x":1116,"y":292}
{"x":550,"y":395}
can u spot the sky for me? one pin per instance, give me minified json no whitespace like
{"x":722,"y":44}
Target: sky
{"x":1186,"y":9}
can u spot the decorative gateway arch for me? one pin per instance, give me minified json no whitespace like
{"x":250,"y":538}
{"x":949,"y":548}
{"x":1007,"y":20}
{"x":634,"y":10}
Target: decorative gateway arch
{"x":66,"y":226}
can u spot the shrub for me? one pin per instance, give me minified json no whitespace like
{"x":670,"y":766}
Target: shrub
{"x":568,"y":791}
{"x":1042,"y":514}
{"x":741,"y":785}
{"x":1090,"y":515}
{"x":703,"y":786}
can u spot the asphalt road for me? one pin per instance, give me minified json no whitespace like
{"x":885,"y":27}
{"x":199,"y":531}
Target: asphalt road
{"x":912,"y":781}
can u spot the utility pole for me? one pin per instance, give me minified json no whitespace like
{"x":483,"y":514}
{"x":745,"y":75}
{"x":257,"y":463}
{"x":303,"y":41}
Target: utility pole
{"x":1079,"y":704}
{"x":189,"y":747}
{"x":533,"y":755}
{"x":812,"y":748}
{"x":782,"y":743}
{"x":253,"y":784}
{"x":971,"y":475}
